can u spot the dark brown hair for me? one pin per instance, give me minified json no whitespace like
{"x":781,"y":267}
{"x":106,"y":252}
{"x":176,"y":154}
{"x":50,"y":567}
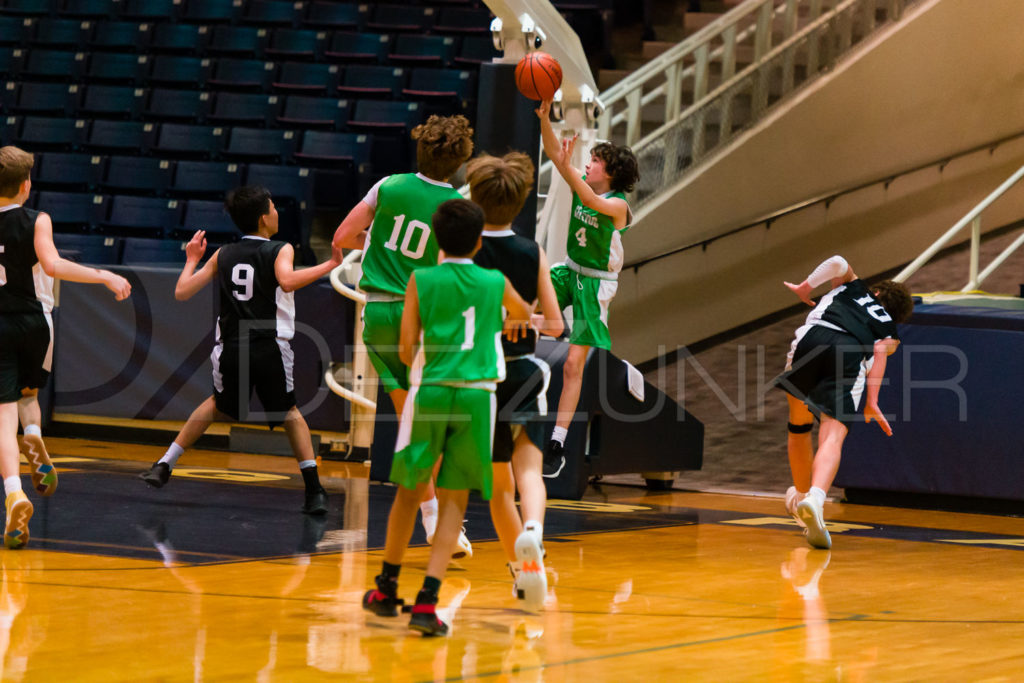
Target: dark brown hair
{"x":443,"y":144}
{"x":15,"y":168}
{"x":500,"y":185}
{"x":895,"y":299}
{"x":246,"y":205}
{"x":620,"y":164}
{"x":457,"y":225}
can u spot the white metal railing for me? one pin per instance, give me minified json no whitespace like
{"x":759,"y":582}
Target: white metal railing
{"x":973,"y":218}
{"x":697,"y":97}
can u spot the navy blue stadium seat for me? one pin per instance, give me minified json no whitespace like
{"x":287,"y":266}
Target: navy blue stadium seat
{"x":238,"y":41}
{"x":314,"y":112}
{"x":73,"y":212}
{"x":123,"y":36}
{"x":128,"y":174}
{"x":98,"y":250}
{"x":190,"y":39}
{"x":121,"y":136}
{"x":337,"y":15}
{"x":401,"y":18}
{"x":272,"y":12}
{"x":423,"y":50}
{"x":112,"y":101}
{"x":68,"y":171}
{"x":190,"y":106}
{"x":307,"y":79}
{"x":142,"y":216}
{"x":447,"y":87}
{"x":476,"y":50}
{"x":463,"y":21}
{"x":289,"y":43}
{"x":9,"y":126}
{"x":242,"y":74}
{"x":379,"y":116}
{"x":90,"y":9}
{"x":62,"y":65}
{"x":331,"y":148}
{"x":47,"y":98}
{"x":208,"y":215}
{"x":362,"y":48}
{"x":206,"y":178}
{"x":181,"y":140}
{"x":146,"y":251}
{"x":38,"y":132}
{"x":180,"y":70}
{"x":251,"y":109}
{"x":34,"y":8}
{"x":246,"y":144}
{"x":211,"y":11}
{"x":117,"y":67}
{"x":361,"y":80}
{"x":15,"y":31}
{"x":293,"y":183}
{"x":59,"y":33}
{"x":151,"y":10}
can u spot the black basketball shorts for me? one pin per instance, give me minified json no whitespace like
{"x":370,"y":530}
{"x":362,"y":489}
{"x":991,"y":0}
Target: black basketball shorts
{"x":263,"y":365}
{"x":522,"y":400}
{"x":26,"y":353}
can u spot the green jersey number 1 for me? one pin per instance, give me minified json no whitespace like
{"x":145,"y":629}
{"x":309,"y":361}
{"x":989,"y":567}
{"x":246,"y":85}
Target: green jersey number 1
{"x":410,"y":231}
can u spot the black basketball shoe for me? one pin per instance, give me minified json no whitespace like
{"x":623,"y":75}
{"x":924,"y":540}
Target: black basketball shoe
{"x":316,"y":502}
{"x":383,"y":600}
{"x":157,"y":475}
{"x":554,"y":459}
{"x":424,"y":619}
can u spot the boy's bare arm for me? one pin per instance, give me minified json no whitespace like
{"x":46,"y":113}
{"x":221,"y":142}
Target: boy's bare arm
{"x":409,"y":335}
{"x":881,"y":352}
{"x":552,"y":323}
{"x":190,"y":281}
{"x":349,"y":234}
{"x":62,"y":269}
{"x":291,"y":279}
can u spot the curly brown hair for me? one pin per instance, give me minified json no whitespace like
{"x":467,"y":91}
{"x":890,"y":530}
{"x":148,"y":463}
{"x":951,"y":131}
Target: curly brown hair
{"x":443,"y":144}
{"x":895,"y":299}
{"x":500,"y":185}
{"x":15,"y":168}
{"x":620,"y":164}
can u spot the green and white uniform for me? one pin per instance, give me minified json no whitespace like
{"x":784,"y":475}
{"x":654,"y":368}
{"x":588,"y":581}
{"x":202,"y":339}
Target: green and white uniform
{"x":400,"y":241}
{"x":589,"y":277}
{"x":451,"y":406}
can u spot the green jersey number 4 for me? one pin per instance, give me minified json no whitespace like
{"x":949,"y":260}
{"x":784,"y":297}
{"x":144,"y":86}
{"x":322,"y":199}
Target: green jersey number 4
{"x":413,"y":228}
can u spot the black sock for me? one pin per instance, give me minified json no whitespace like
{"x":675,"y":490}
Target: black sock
{"x":311,"y":479}
{"x":428,"y":594}
{"x":390,"y":570}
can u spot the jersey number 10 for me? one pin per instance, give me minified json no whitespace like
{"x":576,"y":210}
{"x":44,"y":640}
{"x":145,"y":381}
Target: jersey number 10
{"x":876,"y":310}
{"x":410,"y":231}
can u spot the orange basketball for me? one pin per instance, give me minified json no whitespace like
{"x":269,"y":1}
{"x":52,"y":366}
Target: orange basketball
{"x":538,"y":76}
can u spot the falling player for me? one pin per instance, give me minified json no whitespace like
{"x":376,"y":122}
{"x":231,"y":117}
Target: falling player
{"x":839,"y":352}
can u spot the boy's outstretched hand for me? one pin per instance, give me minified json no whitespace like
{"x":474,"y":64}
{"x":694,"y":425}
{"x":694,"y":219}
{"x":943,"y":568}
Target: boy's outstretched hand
{"x":871,"y":412}
{"x":802,"y":290}
{"x":544,"y":110}
{"x":196,"y":246}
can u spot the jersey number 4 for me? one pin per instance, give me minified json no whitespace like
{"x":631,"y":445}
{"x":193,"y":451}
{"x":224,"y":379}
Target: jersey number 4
{"x":411,"y":230}
{"x":244,"y":276}
{"x":581,"y":237}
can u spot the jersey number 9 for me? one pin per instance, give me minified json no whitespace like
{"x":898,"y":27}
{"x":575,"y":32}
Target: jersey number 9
{"x":243,"y":275}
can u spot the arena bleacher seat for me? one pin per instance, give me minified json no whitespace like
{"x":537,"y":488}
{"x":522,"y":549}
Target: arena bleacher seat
{"x":210,"y":179}
{"x":238,"y":41}
{"x":272,"y":12}
{"x":166,"y":104}
{"x":120,"y":136}
{"x":117,"y":67}
{"x":69,"y":171}
{"x":354,"y":48}
{"x":307,"y":79}
{"x":337,"y":15}
{"x":372,"y":81}
{"x":43,"y":132}
{"x":250,"y":109}
{"x":146,"y":251}
{"x":287,"y":43}
{"x":188,"y":141}
{"x":255,"y":144}
{"x":111,"y":101}
{"x":131,"y":174}
{"x":180,"y":38}
{"x":132,"y":216}
{"x":81,"y":248}
{"x":90,"y":9}
{"x":120,"y":36}
{"x":73,"y":212}
{"x":53,"y":33}
{"x":210,"y":216}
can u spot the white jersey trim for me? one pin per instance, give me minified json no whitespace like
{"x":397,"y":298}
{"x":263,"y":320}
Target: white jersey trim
{"x":285,"y":314}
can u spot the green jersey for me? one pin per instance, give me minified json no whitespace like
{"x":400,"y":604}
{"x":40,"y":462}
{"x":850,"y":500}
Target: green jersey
{"x":401,"y":238}
{"x":593,"y":241}
{"x":460,"y":311}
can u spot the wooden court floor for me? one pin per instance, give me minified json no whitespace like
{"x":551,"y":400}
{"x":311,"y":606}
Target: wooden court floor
{"x":218,"y":577}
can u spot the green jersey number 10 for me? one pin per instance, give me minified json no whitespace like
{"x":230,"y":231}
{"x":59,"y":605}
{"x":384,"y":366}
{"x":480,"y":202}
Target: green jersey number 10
{"x":411,"y":230}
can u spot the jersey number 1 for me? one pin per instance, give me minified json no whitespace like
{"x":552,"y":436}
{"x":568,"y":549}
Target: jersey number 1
{"x":244,"y":276}
{"x":876,"y":311}
{"x":411,"y":229}
{"x":470,"y":315}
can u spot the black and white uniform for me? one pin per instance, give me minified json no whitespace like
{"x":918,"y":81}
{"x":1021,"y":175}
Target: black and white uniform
{"x":26,"y":303}
{"x":254,"y":328}
{"x":833,"y":351}
{"x":522,"y":396}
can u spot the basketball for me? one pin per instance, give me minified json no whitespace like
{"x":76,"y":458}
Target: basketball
{"x":538,"y":76}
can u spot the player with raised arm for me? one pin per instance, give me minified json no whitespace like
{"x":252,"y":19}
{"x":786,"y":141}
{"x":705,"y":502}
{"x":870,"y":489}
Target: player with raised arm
{"x":392,"y":225}
{"x":29,"y":262}
{"x":837,"y":356}
{"x":500,"y":186}
{"x":588,"y":280}
{"x":255,"y":281}
{"x":453,"y":312}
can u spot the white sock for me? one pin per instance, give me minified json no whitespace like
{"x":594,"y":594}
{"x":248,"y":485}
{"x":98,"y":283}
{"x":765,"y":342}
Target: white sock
{"x":817,"y":495}
{"x":12,"y":484}
{"x":559,"y":435}
{"x":174,"y":452}
{"x":534,"y":527}
{"x":307,"y":463}
{"x":32,"y":430}
{"x":428,"y":509}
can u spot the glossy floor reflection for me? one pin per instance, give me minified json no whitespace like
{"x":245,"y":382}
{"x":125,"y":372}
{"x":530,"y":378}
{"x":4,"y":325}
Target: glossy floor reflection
{"x":218,"y":577}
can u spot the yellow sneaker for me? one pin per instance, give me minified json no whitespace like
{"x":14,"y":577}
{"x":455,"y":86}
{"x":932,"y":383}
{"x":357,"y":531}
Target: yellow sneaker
{"x":19,"y":512}
{"x":44,"y":474}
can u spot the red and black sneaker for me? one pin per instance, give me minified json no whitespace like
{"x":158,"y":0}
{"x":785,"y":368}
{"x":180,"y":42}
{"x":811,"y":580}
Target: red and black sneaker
{"x":383,"y":600}
{"x":424,"y":619}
